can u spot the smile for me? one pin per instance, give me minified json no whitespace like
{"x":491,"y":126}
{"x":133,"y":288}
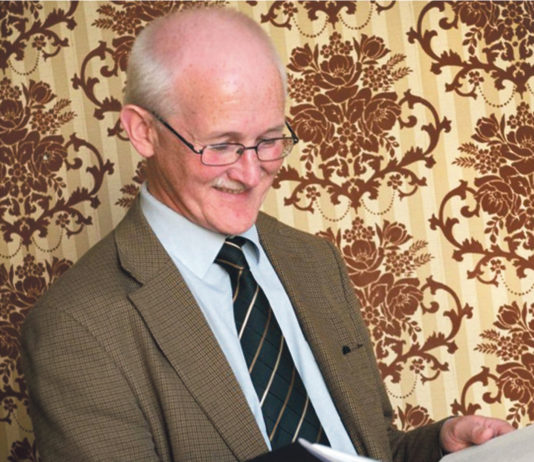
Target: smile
{"x":230,"y":187}
{"x":229,"y":190}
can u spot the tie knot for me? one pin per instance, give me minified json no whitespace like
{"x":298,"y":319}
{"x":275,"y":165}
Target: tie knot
{"x":231,"y":255}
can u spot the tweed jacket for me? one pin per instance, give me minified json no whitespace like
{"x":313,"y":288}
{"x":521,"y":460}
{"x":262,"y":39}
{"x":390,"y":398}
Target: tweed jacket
{"x":122,"y":366}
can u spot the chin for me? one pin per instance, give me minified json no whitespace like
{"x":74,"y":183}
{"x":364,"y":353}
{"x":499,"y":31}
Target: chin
{"x":235,"y":230}
{"x":237,"y":226}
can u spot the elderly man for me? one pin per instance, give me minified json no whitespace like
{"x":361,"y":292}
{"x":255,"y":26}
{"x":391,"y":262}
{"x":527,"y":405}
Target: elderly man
{"x":201,"y":329}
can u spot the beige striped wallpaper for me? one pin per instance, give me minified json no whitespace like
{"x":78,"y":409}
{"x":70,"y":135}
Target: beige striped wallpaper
{"x":416,"y":158}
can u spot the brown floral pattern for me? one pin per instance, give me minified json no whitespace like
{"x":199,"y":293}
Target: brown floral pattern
{"x":503,"y":158}
{"x":23,"y":451}
{"x":20,"y":287}
{"x":130,"y":190}
{"x":382,"y":262}
{"x":512,"y":342}
{"x":497,"y":44}
{"x":412,"y":417}
{"x":285,"y":13}
{"x":34,"y":159}
{"x":344,"y":110}
{"x":24,"y":23}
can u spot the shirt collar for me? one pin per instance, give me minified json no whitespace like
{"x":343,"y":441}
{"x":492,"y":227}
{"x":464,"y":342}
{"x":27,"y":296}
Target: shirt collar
{"x":192,"y":245}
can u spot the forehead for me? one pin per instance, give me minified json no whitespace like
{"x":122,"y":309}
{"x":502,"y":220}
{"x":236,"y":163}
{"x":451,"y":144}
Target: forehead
{"x":249,"y":94}
{"x":222,"y":49}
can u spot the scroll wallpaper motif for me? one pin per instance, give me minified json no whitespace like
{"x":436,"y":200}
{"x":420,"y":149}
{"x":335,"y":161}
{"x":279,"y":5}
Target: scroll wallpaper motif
{"x":416,"y":159}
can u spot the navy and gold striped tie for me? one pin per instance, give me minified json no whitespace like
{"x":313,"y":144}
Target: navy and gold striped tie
{"x":286,"y":407}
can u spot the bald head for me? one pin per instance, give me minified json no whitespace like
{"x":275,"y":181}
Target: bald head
{"x":200,"y":46}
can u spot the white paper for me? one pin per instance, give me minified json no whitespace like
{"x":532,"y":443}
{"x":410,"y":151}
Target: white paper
{"x":327,"y":454}
{"x":517,"y":446}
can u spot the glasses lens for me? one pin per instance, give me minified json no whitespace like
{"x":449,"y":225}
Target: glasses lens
{"x":275,"y":148}
{"x":221,"y":154}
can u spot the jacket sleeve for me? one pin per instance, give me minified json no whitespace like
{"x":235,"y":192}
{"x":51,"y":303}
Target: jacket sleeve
{"x":81,"y":405}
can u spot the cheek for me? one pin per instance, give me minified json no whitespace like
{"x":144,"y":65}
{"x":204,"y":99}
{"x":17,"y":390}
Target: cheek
{"x":267,"y":180}
{"x":197,"y":175}
{"x":271,"y":168}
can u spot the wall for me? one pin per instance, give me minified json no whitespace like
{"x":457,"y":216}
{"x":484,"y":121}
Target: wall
{"x":416,"y":158}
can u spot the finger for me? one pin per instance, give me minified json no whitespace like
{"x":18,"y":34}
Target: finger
{"x":481,"y":434}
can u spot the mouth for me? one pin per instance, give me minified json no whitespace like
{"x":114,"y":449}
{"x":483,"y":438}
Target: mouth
{"x":230,"y":191}
{"x":229,"y":187}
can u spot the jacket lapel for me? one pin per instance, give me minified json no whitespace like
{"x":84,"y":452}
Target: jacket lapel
{"x":183,"y":335}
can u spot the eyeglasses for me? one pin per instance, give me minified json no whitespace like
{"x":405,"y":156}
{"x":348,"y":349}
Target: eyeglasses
{"x":220,"y":154}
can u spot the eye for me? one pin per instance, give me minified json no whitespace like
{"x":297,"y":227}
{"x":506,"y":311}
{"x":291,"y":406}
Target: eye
{"x":221,"y":148}
{"x":269,"y":142}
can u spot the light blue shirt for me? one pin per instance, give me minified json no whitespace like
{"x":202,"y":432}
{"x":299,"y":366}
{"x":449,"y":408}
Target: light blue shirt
{"x":193,"y":250}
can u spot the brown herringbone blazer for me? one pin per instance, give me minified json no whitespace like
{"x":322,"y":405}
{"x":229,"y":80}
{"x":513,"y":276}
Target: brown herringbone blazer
{"x":122,"y":366}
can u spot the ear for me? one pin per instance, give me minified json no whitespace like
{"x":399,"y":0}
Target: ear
{"x":139,"y":125}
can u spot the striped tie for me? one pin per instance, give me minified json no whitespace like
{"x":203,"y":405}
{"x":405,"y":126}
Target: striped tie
{"x":286,"y":407}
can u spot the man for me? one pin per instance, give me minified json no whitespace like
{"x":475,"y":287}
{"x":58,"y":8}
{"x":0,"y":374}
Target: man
{"x":134,"y":354}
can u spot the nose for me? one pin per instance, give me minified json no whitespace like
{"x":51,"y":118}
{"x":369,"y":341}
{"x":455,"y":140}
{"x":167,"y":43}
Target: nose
{"x":247,"y":169}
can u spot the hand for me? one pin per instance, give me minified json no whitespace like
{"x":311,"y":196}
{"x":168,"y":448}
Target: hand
{"x":461,"y":432}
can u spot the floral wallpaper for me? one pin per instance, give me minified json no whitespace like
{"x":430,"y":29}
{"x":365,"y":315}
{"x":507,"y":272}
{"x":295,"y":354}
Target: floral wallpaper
{"x":416,"y":159}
